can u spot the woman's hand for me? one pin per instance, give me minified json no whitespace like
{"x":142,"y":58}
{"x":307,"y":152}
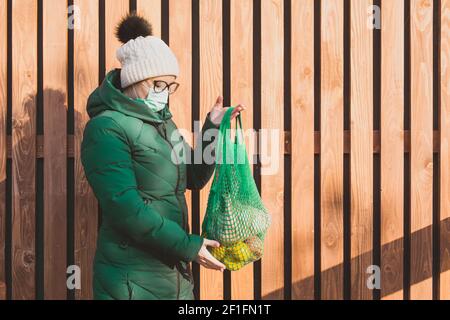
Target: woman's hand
{"x":218,"y":111}
{"x":205,"y":258}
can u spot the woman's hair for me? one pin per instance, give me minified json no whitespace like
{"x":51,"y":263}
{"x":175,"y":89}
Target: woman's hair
{"x":132,"y":26}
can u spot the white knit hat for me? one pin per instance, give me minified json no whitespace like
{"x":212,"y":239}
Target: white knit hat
{"x":146,"y":57}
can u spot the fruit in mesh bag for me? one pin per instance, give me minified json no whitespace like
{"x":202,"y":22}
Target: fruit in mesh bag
{"x":235,"y":215}
{"x":233,"y":265}
{"x":218,"y":253}
{"x":256,"y":246}
{"x":240,"y":252}
{"x":235,"y":256}
{"x":260,"y":222}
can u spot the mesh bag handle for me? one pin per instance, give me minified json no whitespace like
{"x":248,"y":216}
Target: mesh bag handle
{"x":224,"y":143}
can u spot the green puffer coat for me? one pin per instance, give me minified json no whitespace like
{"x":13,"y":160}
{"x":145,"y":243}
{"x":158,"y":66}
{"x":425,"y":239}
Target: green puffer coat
{"x":144,"y":247}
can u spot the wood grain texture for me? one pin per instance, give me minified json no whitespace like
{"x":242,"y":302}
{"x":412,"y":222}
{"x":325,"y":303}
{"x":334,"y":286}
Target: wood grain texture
{"x":86,"y":78}
{"x":55,"y":147}
{"x":24,"y":82}
{"x":272,"y":144}
{"x":376,"y":143}
{"x":361,"y":149}
{"x":331,"y":161}
{"x":114,"y":11}
{"x":180,"y":24}
{"x":211,"y":86}
{"x":391,"y":142}
{"x":151,"y":9}
{"x":392,"y":148}
{"x":242,"y":92}
{"x":180,"y":37}
{"x":445,"y":151}
{"x":421,"y":146}
{"x":3,"y":147}
{"x":302,"y":149}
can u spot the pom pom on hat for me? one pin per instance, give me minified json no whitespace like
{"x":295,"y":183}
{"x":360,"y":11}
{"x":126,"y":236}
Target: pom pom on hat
{"x":142,"y":55}
{"x":133,"y":26}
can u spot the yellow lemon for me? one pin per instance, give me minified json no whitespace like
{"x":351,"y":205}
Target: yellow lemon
{"x":232,"y":264}
{"x":240,"y":252}
{"x":218,"y":253}
{"x":235,"y":256}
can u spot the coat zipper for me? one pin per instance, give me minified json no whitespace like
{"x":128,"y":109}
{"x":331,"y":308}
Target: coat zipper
{"x":176,"y":196}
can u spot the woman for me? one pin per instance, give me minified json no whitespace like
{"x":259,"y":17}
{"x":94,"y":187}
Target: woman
{"x":144,"y":248}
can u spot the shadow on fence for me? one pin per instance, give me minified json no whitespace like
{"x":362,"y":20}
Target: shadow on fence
{"x":393,"y":249}
{"x":45,"y":237}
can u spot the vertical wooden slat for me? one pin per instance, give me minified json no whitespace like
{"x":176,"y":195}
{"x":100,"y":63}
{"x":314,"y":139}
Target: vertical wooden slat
{"x":392,"y":148}
{"x":181,"y":44}
{"x":272,"y":158}
{"x":211,"y":84}
{"x":24,"y":82}
{"x":86,"y":52}
{"x":242,"y":92}
{"x":55,"y":147}
{"x":114,"y":11}
{"x":3,"y":112}
{"x":445,"y":151}
{"x":331,"y":148}
{"x":180,"y":37}
{"x":302,"y":149}
{"x":421,"y":148}
{"x":361,"y":149}
{"x":151,"y":9}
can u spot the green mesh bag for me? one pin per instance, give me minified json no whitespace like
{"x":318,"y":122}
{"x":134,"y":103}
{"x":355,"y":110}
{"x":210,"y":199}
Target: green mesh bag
{"x":235,"y":214}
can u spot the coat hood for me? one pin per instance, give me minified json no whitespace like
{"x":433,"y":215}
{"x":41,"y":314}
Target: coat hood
{"x":108,"y":97}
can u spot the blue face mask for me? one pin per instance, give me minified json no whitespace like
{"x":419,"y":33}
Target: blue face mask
{"x":156,"y":101}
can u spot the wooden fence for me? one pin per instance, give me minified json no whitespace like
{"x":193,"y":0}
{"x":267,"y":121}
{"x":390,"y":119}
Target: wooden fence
{"x":364,"y":177}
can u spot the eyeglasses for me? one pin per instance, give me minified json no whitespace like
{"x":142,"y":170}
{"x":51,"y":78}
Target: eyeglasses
{"x":160,"y":85}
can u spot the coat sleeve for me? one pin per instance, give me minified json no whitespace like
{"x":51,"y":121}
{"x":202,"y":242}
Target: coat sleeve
{"x":107,"y":162}
{"x":200,"y":172}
